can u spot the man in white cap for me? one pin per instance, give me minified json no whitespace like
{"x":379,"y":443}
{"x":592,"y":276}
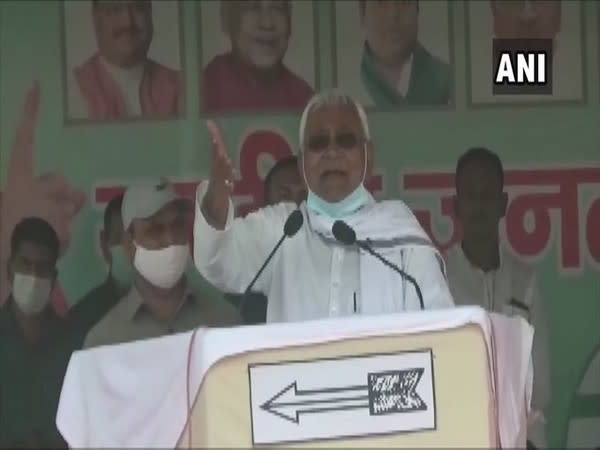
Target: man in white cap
{"x":313,"y":275}
{"x":160,"y":301}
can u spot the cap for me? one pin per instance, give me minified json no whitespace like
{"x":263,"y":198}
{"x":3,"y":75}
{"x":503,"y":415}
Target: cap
{"x":146,"y":198}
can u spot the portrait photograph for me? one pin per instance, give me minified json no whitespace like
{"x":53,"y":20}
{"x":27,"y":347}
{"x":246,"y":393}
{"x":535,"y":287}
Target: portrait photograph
{"x":556,"y":20}
{"x":122,"y":60}
{"x":256,"y":55}
{"x":394,"y":55}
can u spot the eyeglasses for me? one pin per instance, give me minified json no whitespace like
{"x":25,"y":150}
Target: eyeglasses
{"x":342,"y":141}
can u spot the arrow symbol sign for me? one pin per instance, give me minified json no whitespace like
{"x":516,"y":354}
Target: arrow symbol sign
{"x":290,"y":403}
{"x":348,"y":396}
{"x":385,"y":393}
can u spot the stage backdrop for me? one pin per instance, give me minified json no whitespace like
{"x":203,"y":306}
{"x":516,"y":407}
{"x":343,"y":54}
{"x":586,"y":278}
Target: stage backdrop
{"x":550,"y":146}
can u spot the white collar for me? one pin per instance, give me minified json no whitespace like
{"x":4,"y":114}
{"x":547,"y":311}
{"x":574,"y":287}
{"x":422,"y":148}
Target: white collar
{"x":403,"y":82}
{"x":131,"y":75}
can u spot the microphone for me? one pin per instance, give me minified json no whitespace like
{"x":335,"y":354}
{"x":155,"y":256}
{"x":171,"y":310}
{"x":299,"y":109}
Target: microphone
{"x":346,"y":235}
{"x":292,"y":224}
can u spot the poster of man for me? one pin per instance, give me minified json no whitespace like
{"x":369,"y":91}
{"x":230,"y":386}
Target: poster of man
{"x":257,"y":55}
{"x":122,"y":60}
{"x":560,"y":21}
{"x":401,"y":57}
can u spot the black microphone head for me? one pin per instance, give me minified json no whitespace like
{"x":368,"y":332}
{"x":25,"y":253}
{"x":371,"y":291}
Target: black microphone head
{"x":293,"y":223}
{"x":343,"y":232}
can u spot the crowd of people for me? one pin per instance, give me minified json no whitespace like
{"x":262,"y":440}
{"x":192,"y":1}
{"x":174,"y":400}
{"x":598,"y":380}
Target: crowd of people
{"x":146,"y":244}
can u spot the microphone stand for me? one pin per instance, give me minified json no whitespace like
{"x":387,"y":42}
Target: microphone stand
{"x":366,"y":247}
{"x":262,"y":268}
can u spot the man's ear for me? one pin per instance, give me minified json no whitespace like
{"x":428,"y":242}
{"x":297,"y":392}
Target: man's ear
{"x":455,"y":205}
{"x":504,"y":204}
{"x":301,"y":168}
{"x":128,"y":244}
{"x":54,"y":276}
{"x":10,"y":271}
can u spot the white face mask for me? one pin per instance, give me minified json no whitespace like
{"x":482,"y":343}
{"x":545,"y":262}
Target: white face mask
{"x":31,"y":294}
{"x":162,"y":268}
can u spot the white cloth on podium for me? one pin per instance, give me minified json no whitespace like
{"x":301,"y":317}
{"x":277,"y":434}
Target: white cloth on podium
{"x":133,"y":395}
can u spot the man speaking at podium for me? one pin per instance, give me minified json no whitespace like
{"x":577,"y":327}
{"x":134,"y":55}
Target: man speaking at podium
{"x":376,"y":260}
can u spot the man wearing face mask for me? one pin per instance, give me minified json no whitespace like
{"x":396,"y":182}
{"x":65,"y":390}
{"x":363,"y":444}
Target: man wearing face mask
{"x":160,"y":300}
{"x":313,"y":276}
{"x":35,"y":343}
{"x":96,"y":303}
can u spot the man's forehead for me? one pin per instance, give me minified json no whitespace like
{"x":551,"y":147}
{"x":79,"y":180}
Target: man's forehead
{"x":340,"y":115}
{"x":166,"y":214}
{"x":31,"y":251}
{"x":477,"y":165}
{"x":288,"y":174}
{"x":479,"y":173}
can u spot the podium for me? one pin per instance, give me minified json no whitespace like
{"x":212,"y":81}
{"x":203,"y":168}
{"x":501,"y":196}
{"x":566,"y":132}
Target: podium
{"x":415,"y":380}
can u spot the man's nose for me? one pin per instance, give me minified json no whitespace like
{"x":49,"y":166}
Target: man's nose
{"x":169,"y":238}
{"x":38,"y":270}
{"x":395,"y":9}
{"x":333,"y":150}
{"x":127,"y":16}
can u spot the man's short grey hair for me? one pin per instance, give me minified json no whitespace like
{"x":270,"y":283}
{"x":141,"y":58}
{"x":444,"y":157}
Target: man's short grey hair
{"x":332,"y":98}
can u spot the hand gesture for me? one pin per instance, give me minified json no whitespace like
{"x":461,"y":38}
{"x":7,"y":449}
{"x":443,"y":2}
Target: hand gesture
{"x":222,"y":171}
{"x":222,"y":175}
{"x":48,"y":196}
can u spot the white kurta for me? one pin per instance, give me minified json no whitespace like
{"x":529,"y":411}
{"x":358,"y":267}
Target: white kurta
{"x":510,"y":290}
{"x":311,"y":277}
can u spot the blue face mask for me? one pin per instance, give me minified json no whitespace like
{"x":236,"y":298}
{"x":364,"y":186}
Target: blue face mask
{"x":121,"y":269}
{"x":338,"y":210}
{"x":344,"y":208}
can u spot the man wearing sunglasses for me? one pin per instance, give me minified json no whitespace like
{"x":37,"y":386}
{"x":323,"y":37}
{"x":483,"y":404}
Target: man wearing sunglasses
{"x":312,"y":275}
